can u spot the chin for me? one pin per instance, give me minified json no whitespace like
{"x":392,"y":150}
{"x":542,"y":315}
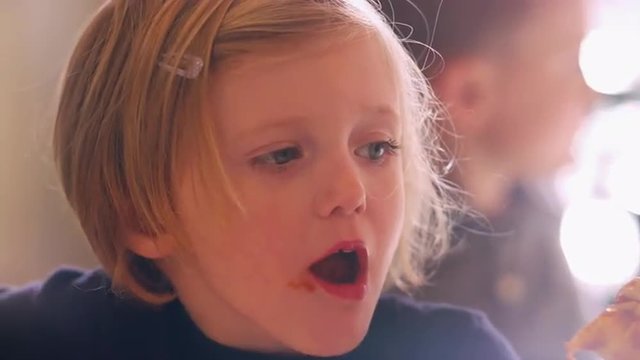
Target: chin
{"x":331,"y":334}
{"x":334,"y":344}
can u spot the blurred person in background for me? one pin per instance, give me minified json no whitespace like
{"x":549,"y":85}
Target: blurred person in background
{"x":514,"y":96}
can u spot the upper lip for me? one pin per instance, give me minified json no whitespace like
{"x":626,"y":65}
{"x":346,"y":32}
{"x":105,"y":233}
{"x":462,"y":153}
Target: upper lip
{"x":354,"y":245}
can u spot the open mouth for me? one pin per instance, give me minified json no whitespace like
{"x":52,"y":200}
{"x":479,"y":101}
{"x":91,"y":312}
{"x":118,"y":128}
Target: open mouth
{"x":343,"y":271}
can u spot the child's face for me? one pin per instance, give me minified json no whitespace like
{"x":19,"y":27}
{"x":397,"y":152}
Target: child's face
{"x":307,"y":141}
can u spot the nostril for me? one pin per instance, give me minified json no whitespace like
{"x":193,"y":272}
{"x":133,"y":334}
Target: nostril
{"x":344,"y":195}
{"x":350,"y":207}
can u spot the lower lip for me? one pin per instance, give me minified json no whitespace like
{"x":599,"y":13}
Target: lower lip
{"x":355,"y":291}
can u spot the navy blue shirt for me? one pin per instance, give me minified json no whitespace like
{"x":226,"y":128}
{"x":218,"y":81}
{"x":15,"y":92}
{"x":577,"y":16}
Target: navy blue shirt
{"x":74,"y":315}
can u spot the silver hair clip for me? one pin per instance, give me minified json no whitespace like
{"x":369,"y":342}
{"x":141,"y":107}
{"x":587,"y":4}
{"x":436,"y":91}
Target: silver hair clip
{"x":188,"y":66}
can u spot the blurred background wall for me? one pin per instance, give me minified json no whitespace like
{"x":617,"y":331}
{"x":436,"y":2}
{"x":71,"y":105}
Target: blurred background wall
{"x":37,"y":229}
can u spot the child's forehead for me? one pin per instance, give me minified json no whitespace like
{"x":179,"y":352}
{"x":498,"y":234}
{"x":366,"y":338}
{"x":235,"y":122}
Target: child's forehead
{"x":293,"y":48}
{"x":329,"y":55}
{"x":326,"y":80}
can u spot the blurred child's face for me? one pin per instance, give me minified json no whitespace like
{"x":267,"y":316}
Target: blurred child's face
{"x":307,"y":141}
{"x":542,"y":99}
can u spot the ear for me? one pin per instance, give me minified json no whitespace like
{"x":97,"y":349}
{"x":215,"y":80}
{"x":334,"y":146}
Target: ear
{"x":150,"y":246}
{"x":468,"y":89}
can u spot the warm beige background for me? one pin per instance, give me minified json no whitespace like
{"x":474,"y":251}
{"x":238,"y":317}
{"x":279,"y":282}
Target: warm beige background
{"x":37,"y":230}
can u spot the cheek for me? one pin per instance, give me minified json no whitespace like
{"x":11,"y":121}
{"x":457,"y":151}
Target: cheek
{"x":244,"y":258}
{"x":548,"y":119}
{"x":552,"y":98}
{"x":270,"y":228}
{"x":227,"y":245}
{"x":384,"y":182}
{"x":525,"y":116}
{"x":387,"y":220}
{"x":387,"y":212}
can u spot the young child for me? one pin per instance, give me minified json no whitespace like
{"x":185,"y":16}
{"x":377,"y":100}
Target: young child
{"x":251,"y":174}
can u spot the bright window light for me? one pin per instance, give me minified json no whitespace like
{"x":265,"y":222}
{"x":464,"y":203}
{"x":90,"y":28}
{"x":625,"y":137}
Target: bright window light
{"x":601,"y":242}
{"x":610,"y":59}
{"x":607,"y":159}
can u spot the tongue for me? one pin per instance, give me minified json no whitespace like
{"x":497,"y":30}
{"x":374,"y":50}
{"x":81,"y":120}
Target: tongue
{"x":338,"y":268}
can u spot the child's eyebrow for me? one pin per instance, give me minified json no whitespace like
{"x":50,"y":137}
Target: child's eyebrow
{"x":381,"y":115}
{"x":273,"y":124}
{"x":382,"y":111}
{"x":370,"y":114}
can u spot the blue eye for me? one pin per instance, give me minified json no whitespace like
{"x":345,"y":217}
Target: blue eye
{"x":376,"y":151}
{"x":279,"y":157}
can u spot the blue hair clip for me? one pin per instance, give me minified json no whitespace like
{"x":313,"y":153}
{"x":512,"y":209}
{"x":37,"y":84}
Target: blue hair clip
{"x":188,"y":66}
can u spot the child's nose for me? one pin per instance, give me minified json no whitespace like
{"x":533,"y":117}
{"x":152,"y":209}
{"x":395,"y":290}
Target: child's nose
{"x":341,"y":191}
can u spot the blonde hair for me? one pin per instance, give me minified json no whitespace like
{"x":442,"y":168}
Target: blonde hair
{"x":125,"y":125}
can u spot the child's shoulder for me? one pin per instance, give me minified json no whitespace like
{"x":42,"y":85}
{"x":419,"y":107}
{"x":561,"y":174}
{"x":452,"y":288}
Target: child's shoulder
{"x":70,"y":309}
{"x":419,"y":330}
{"x":66,"y":291}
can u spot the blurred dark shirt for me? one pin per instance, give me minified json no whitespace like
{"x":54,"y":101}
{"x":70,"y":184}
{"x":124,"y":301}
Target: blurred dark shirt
{"x":512,"y":268}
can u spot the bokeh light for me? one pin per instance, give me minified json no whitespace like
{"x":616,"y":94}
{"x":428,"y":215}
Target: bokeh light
{"x":610,"y":59}
{"x":601,"y":242}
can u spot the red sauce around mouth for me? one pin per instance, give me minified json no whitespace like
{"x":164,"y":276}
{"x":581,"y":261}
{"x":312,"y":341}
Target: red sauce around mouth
{"x":302,"y":284}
